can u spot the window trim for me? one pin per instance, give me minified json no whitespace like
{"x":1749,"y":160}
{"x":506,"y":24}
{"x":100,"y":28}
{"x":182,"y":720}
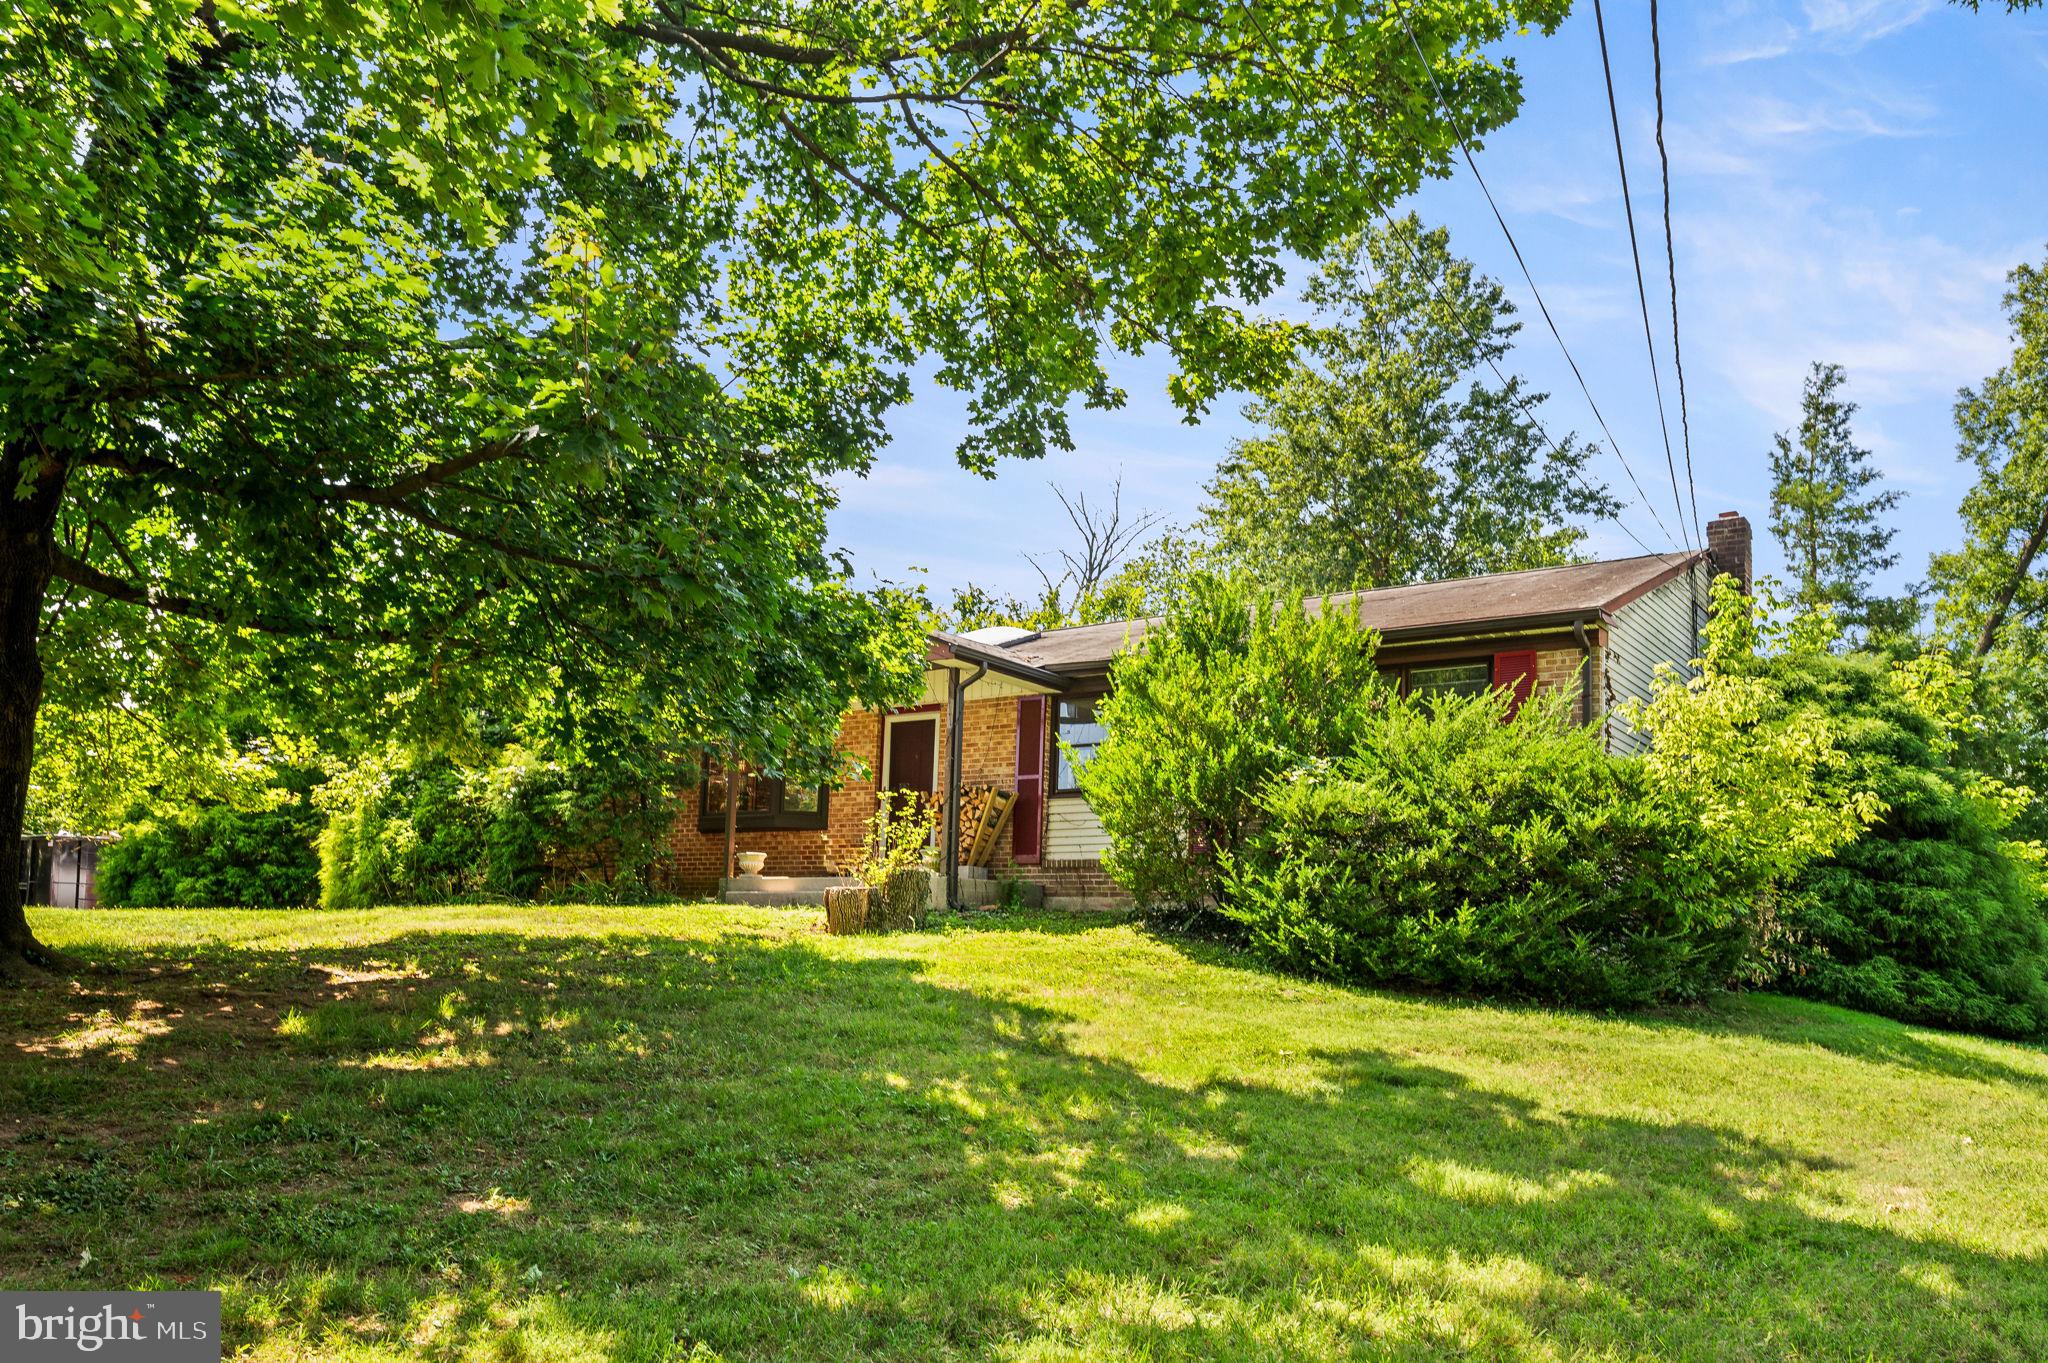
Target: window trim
{"x":1401,"y":671}
{"x":895,"y":717}
{"x":774,"y":819}
{"x":1053,"y":722}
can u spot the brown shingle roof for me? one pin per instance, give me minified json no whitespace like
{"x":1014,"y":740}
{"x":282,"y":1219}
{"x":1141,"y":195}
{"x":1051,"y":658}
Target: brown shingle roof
{"x":1535,"y":595}
{"x":1465,"y":605}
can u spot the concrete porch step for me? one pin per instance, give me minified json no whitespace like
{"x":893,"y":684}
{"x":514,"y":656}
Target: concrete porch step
{"x":778,"y":890}
{"x":978,"y":889}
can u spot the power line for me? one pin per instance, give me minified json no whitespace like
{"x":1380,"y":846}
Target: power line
{"x":1671,"y":267}
{"x":1511,"y":390}
{"x":1642,"y":292}
{"x":1465,"y":148}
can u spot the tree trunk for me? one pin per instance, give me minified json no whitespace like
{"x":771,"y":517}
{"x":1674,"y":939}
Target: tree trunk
{"x":27,"y":544}
{"x":2002,"y":604}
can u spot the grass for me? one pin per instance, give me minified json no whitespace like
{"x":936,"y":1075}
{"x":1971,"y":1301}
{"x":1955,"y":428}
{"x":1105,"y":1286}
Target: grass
{"x":699,"y":1133}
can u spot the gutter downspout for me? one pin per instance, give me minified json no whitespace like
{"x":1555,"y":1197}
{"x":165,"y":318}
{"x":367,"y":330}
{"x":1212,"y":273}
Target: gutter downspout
{"x":1585,"y":673}
{"x":956,"y":727}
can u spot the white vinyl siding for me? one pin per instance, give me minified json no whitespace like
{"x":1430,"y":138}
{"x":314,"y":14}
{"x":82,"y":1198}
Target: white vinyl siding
{"x":1072,"y":832}
{"x":1660,"y":626}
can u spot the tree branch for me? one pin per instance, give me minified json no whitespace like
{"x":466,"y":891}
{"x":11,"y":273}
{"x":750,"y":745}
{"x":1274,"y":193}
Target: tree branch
{"x":2002,"y":605}
{"x":79,"y":573}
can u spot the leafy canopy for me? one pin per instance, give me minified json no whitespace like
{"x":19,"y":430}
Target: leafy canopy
{"x":1770,"y":787}
{"x":1827,"y":520}
{"x":411,"y":357}
{"x":1398,"y":450}
{"x":1993,"y":605}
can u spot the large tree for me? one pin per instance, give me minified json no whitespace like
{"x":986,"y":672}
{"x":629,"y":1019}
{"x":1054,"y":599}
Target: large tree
{"x":395,"y":356}
{"x":1993,"y":604}
{"x":1827,"y":520}
{"x":1397,"y":450}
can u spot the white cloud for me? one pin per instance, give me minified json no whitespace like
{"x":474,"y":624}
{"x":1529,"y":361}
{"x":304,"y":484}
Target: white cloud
{"x":1772,"y":38}
{"x":1852,"y":23}
{"x":1573,"y":201}
{"x":1799,"y":279}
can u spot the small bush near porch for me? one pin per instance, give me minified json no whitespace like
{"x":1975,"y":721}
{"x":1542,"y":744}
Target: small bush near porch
{"x":696,"y":1133}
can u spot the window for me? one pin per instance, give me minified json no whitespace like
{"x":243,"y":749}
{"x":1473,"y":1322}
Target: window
{"x":764,"y":801}
{"x":1450,"y":679}
{"x":1076,"y":727}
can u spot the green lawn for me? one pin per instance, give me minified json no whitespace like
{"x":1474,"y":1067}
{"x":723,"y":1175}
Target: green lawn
{"x":698,"y":1133}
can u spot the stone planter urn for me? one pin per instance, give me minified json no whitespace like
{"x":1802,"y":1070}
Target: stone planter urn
{"x":846,"y":910}
{"x":750,"y":863}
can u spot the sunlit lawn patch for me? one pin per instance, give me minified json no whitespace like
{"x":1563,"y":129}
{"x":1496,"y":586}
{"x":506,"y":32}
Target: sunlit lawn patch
{"x":671,"y":1133}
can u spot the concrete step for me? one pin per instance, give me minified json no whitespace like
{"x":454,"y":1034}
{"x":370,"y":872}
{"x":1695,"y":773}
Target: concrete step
{"x":977,"y":891}
{"x":785,"y":884}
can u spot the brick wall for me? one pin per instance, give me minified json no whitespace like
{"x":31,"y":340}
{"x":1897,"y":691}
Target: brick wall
{"x":1559,"y":668}
{"x":1081,"y":884}
{"x":988,"y":757}
{"x":697,"y":859}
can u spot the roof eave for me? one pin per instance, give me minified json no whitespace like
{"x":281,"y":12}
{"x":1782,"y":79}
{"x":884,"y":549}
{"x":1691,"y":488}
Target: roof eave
{"x":964,"y":654}
{"x":1505,"y":624}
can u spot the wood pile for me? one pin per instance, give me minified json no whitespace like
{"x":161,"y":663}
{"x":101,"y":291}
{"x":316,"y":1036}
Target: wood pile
{"x":983,"y":812}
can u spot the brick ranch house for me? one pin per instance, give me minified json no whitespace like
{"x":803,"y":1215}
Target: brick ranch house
{"x":998,"y":702}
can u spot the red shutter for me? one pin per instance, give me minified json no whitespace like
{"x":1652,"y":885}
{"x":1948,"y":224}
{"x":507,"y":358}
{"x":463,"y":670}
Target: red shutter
{"x":1027,"y":820}
{"x":1515,"y":673}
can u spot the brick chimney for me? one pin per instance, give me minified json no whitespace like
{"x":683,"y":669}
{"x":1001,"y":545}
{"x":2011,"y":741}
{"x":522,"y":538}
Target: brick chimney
{"x":1728,"y":546}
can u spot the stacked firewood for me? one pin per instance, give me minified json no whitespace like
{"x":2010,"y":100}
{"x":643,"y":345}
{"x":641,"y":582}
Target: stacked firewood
{"x":983,"y":812}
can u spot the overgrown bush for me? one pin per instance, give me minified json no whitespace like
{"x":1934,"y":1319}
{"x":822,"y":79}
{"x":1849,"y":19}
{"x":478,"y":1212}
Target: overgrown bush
{"x":1930,"y":916}
{"x":412,"y":830}
{"x":1234,"y":688}
{"x":214,"y":857}
{"x":1462,"y":849}
{"x":1257,"y":768}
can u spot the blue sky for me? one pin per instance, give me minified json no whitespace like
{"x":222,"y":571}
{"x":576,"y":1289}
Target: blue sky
{"x":1851,"y":180}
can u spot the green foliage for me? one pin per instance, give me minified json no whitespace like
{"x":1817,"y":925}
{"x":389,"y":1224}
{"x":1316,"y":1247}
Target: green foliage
{"x":1146,"y":584}
{"x":1397,"y":451}
{"x":216,"y":856}
{"x":1236,"y":686}
{"x":1930,"y":915}
{"x":101,"y":760}
{"x":1992,"y":612}
{"x":1256,"y":765}
{"x":897,"y":837}
{"x":1829,"y":524}
{"x":1768,"y":786}
{"x":414,"y":830}
{"x":398,"y":359}
{"x":1457,"y":848}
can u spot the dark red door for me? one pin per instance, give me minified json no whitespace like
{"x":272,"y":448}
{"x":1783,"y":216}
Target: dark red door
{"x":912,"y":745}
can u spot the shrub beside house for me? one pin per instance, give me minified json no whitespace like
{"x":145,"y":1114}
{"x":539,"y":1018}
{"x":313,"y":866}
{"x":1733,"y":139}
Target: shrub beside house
{"x":1017,"y":709}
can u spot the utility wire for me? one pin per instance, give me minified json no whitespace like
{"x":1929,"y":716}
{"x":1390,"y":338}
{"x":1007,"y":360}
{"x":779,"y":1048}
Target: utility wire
{"x":1642,"y":292}
{"x":1671,"y":269}
{"x":1465,"y":147}
{"x":1513,"y":391}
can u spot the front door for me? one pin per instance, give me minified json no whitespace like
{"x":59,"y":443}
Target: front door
{"x":911,"y":762}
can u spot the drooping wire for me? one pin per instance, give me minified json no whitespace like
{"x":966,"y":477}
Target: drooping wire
{"x":1513,"y":391}
{"x":1635,"y":252}
{"x":1671,"y":270}
{"x":1465,"y":148}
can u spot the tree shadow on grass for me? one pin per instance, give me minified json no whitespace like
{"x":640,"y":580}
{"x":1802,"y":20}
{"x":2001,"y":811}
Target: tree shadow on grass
{"x":1777,"y":1018}
{"x":1786,"y":1020}
{"x":629,"y":1148}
